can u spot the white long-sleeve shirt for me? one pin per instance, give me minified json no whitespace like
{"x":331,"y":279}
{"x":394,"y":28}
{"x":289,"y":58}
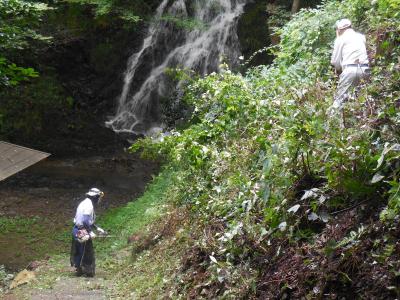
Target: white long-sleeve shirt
{"x":85,"y":208}
{"x":349,"y":48}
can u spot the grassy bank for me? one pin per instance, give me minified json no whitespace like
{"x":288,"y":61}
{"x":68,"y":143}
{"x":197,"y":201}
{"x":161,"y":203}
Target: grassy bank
{"x":26,"y":239}
{"x":137,"y":228}
{"x":134,"y":218}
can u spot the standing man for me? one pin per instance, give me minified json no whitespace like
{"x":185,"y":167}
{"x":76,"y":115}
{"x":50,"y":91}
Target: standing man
{"x":350,"y":58}
{"x":82,"y":252}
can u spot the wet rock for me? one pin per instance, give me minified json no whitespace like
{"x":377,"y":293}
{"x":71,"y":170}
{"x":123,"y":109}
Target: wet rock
{"x":33,"y":265}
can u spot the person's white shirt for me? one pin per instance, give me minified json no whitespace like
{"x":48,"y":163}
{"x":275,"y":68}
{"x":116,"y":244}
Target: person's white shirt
{"x":84,"y":208}
{"x":349,"y":48}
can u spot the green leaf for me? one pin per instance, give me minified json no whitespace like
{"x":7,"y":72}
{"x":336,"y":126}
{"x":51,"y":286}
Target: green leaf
{"x":377,"y":177}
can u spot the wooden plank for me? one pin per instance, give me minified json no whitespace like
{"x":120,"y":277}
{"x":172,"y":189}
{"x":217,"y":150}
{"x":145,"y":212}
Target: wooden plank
{"x":14,"y":158}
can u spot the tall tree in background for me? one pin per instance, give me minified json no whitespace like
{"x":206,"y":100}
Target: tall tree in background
{"x":295,"y":6}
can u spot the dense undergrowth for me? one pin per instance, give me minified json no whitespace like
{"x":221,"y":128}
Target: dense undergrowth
{"x":283,"y":201}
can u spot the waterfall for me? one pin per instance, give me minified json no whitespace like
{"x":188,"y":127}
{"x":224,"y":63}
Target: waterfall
{"x":188,"y":34}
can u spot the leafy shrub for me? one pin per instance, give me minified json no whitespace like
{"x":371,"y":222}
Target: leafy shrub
{"x":262,"y":159}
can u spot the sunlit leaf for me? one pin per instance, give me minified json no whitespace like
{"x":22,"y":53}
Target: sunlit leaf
{"x":213,"y":259}
{"x":377,"y":177}
{"x":294,"y":208}
{"x":312,"y":216}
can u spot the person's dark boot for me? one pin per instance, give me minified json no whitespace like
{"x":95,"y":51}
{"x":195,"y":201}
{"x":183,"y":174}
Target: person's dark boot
{"x":78,"y":271}
{"x":90,"y":272}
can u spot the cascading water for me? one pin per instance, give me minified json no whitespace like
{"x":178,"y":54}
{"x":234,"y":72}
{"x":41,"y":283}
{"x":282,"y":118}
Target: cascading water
{"x":188,"y":34}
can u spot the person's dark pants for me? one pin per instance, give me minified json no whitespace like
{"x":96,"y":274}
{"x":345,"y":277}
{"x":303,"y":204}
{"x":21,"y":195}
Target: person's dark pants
{"x":82,"y":256}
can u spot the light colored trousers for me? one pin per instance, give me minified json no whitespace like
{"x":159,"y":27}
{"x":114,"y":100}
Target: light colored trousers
{"x":349,"y":79}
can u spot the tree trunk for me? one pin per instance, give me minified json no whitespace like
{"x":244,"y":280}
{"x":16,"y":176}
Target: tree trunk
{"x":295,"y":6}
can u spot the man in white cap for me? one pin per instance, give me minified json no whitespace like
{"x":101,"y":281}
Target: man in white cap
{"x":350,"y":58}
{"x":82,"y":252}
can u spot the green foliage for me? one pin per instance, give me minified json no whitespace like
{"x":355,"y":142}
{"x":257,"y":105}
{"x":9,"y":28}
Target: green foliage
{"x":184,"y":23}
{"x":262,"y":159}
{"x":278,"y":16}
{"x":102,"y":7}
{"x":27,"y":108}
{"x":353,"y":238}
{"x":133,"y":218}
{"x":25,"y":239}
{"x":389,"y":9}
{"x":5,"y":279}
{"x":18,"y":224}
{"x":18,"y":21}
{"x":392,"y":211}
{"x":11,"y":74}
{"x":254,"y":32}
{"x":129,"y":11}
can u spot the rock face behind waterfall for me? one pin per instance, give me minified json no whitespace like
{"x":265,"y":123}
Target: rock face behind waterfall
{"x":193,"y":35}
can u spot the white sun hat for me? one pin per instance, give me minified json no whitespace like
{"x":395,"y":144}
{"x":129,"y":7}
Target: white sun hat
{"x":343,"y":23}
{"x":94,"y":192}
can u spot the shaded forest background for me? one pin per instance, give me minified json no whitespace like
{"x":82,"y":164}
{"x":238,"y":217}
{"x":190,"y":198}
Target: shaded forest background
{"x":62,"y":64}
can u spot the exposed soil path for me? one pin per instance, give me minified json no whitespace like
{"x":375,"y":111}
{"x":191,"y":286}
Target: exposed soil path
{"x":62,"y":285}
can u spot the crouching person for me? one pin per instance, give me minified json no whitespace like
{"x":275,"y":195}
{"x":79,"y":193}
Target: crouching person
{"x":82,"y":251}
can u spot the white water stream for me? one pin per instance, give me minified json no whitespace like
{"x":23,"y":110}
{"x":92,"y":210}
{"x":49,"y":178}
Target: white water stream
{"x":188,"y":34}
